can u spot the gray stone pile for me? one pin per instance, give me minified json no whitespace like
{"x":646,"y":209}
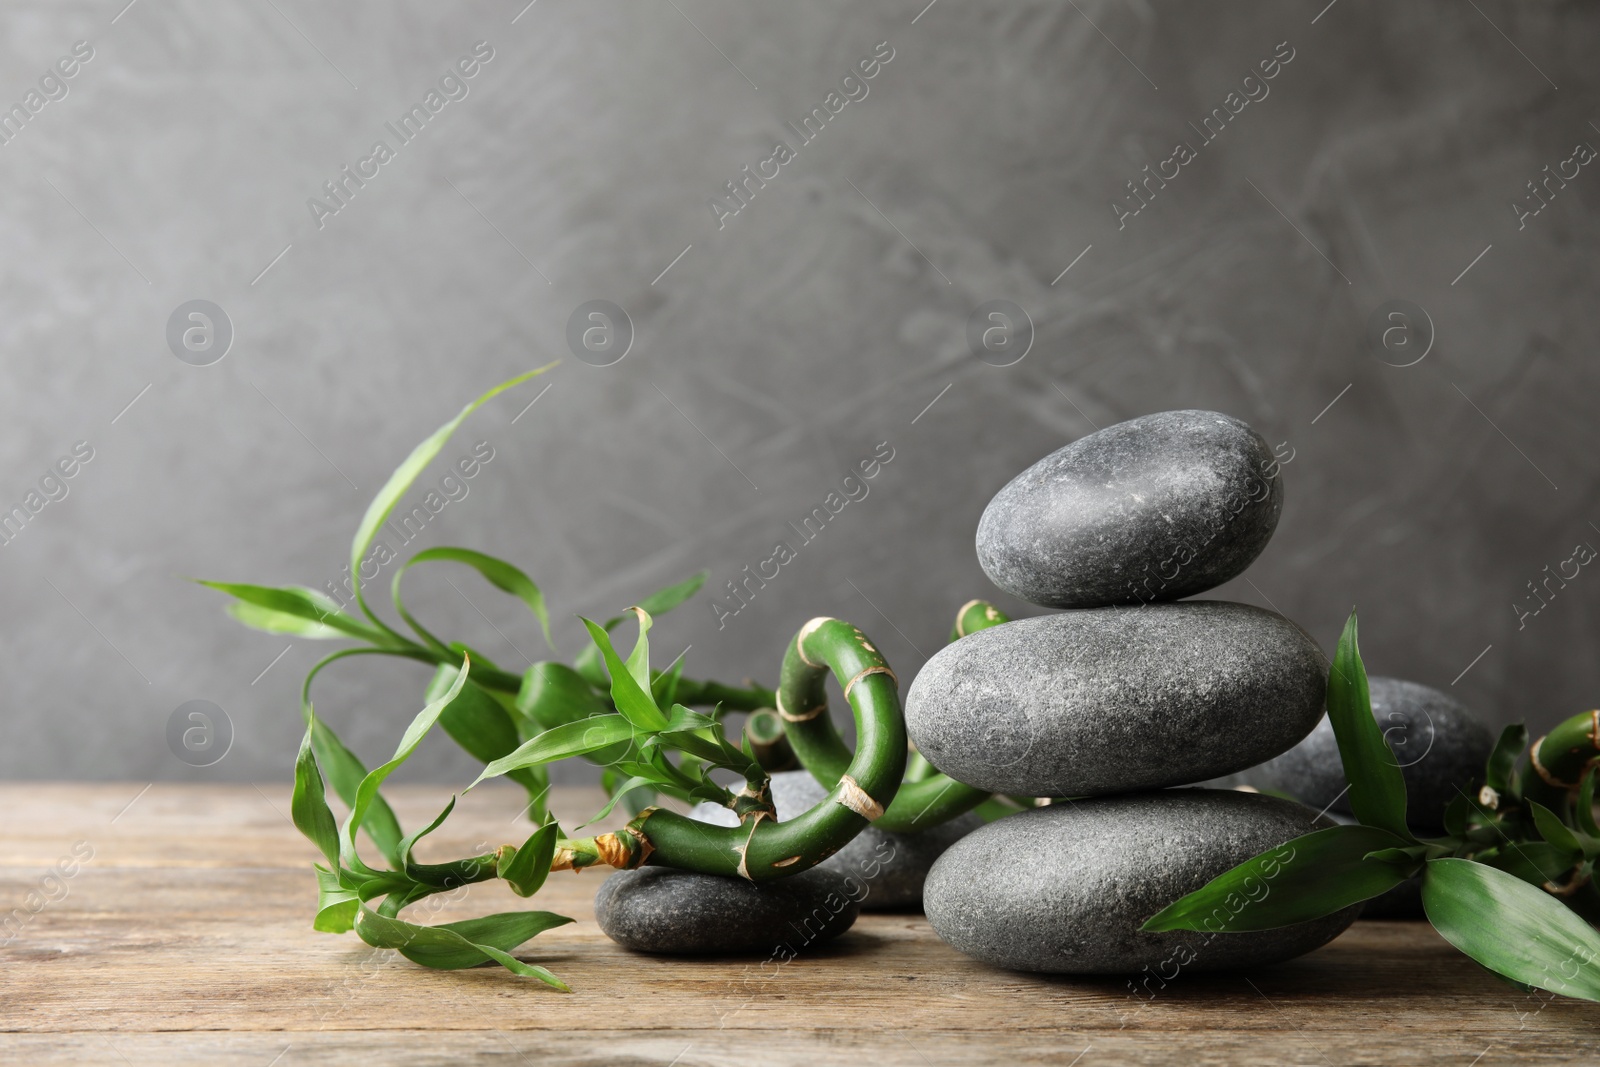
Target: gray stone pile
{"x":1106,"y":705}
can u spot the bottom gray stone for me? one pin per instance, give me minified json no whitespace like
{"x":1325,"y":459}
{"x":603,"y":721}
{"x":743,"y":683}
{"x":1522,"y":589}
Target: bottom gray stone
{"x":893,"y":866}
{"x":682,"y":913}
{"x":1065,"y":888}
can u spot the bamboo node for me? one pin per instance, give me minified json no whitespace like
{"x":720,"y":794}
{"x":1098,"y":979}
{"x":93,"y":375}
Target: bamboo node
{"x":744,"y":849}
{"x":805,"y":716}
{"x":806,"y":631}
{"x":1550,"y":779}
{"x":878,"y":669}
{"x":852,"y":796}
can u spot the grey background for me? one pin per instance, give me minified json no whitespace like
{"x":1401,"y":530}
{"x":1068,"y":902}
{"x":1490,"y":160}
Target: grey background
{"x":779,"y":351}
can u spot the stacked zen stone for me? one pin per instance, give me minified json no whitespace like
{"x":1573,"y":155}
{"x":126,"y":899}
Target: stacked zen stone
{"x":1118,"y":698}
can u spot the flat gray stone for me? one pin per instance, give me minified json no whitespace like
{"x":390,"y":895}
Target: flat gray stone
{"x":892,"y":866}
{"x":1110,"y":700}
{"x":682,"y":913}
{"x":1440,"y":744}
{"x":1064,"y":889}
{"x":1156,"y":508}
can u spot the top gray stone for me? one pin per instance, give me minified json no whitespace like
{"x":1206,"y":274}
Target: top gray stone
{"x":1156,"y":508}
{"x":1440,"y":745}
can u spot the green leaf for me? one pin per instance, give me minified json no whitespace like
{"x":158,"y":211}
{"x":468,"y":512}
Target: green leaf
{"x":618,"y":791}
{"x":660,"y":602}
{"x":631,"y":699}
{"x":336,"y":905}
{"x":293,"y":610}
{"x":345,"y":773}
{"x":276,"y":622}
{"x":638,"y":661}
{"x":498,"y":572}
{"x":1377,"y":790}
{"x":389,"y":496}
{"x":1306,"y":878}
{"x":526,"y":868}
{"x":411,"y":839}
{"x":553,"y":694}
{"x":308,"y":805}
{"x":664,"y":600}
{"x":1583,"y":805}
{"x":616,"y":785}
{"x":1535,"y":862}
{"x":452,"y":946}
{"x":1553,"y":830}
{"x":573,"y":739}
{"x":479,"y":723}
{"x":1500,"y":772}
{"x":1512,"y":928}
{"x":367,"y":791}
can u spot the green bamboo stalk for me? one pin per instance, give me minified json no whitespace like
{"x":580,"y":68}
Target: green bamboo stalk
{"x":761,"y":848}
{"x":803,"y":704}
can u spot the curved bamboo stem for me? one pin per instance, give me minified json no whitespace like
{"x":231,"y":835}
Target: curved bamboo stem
{"x":803,"y":704}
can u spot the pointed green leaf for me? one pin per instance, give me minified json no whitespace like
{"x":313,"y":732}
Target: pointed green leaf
{"x":389,"y":496}
{"x":479,"y":723}
{"x":1377,"y":790}
{"x":308,"y":805}
{"x":631,"y":699}
{"x":452,"y":946}
{"x":1583,"y":805}
{"x":573,"y":739}
{"x":336,"y":905}
{"x":498,"y":572}
{"x":554,"y":694}
{"x":367,"y":791}
{"x":1500,"y":772}
{"x":345,"y":772}
{"x":525,"y":868}
{"x":1512,"y":928}
{"x":293,"y":610}
{"x":1553,"y":830}
{"x":588,"y":662}
{"x":618,"y":791}
{"x":1306,"y":878}
{"x":638,"y":661}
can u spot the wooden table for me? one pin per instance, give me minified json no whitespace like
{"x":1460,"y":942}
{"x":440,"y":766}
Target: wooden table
{"x":185,"y":938}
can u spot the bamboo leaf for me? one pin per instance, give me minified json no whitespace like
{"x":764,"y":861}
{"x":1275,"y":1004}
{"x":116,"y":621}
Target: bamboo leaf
{"x":502,"y":575}
{"x":553,"y":694}
{"x":1553,"y":830}
{"x":294,"y":610}
{"x":1583,"y":805}
{"x":617,"y":793}
{"x":1306,"y":878}
{"x":478,"y":722}
{"x":308,"y":805}
{"x":527,"y":867}
{"x":1377,"y":790}
{"x":404,"y":475}
{"x":638,"y":661}
{"x":1535,"y":862}
{"x":345,"y":773}
{"x":336,"y":904}
{"x":453,"y":946}
{"x":572,"y":739}
{"x":632,"y":700}
{"x":1512,"y":928}
{"x":588,"y":662}
{"x":367,"y":791}
{"x":1500,"y":772}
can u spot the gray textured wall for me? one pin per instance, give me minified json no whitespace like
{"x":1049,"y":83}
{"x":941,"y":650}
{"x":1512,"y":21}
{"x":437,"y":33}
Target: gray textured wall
{"x":782,"y":348}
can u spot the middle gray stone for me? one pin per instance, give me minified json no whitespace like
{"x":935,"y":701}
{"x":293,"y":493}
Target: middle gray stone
{"x":1112,"y":700}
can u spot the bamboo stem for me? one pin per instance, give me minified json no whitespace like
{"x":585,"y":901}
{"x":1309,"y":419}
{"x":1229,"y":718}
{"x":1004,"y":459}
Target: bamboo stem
{"x":803,"y":704}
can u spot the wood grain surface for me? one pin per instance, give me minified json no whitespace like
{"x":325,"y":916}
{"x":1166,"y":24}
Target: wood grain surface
{"x":185,"y":938}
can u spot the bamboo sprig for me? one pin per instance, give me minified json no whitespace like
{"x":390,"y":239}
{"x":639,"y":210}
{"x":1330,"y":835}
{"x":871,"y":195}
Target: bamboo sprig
{"x":1509,"y":883}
